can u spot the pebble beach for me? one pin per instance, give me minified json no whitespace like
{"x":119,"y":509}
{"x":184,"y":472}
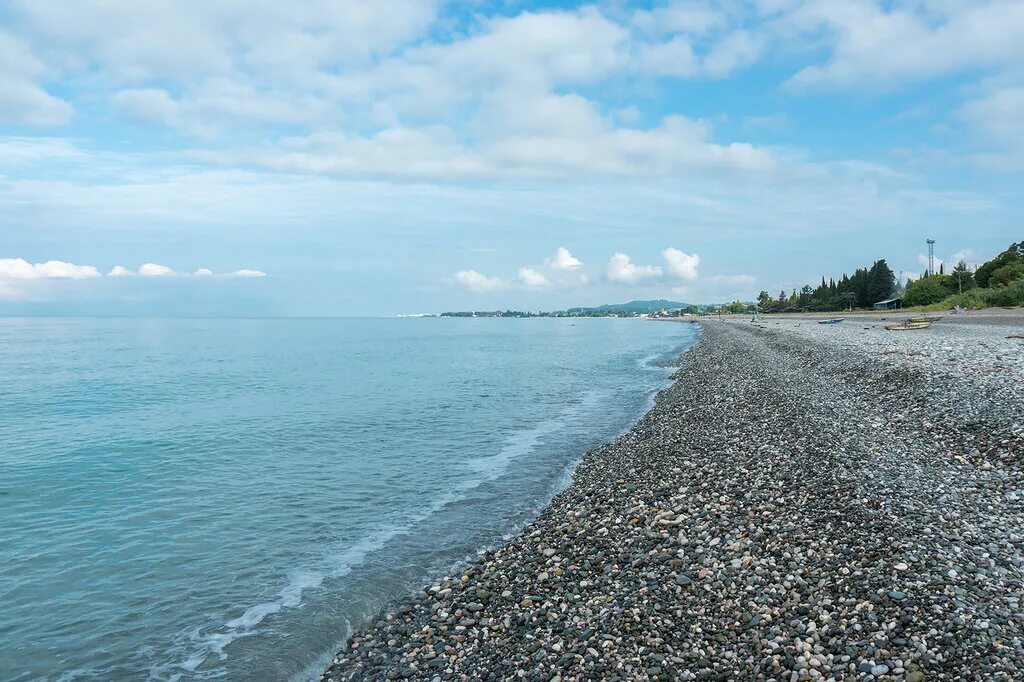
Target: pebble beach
{"x":805,"y":502}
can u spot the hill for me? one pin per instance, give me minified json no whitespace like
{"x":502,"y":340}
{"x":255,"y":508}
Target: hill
{"x":632,"y":307}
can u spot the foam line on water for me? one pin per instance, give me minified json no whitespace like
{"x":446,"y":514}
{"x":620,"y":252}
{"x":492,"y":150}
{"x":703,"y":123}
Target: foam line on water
{"x":338,"y":564}
{"x":526,"y":441}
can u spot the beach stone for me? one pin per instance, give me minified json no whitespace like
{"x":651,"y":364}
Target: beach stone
{"x":791,"y":474}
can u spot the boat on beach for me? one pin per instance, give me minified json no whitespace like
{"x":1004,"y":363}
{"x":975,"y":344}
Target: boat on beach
{"x":832,"y":320}
{"x":909,"y":325}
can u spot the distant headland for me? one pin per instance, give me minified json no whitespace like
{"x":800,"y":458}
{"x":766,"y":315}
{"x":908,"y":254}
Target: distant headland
{"x":655,"y":308}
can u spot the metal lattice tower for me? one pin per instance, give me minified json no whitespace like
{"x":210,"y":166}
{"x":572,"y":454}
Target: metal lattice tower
{"x":931,"y":257}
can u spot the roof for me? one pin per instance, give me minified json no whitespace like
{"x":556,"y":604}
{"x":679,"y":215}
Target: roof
{"x":890,"y":300}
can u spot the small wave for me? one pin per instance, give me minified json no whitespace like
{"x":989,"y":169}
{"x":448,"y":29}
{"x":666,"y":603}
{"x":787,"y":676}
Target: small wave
{"x":291,"y":595}
{"x":526,"y":441}
{"x":337,"y":564}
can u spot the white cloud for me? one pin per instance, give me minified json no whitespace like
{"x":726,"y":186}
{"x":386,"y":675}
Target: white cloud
{"x":22,"y":100}
{"x":690,"y":18}
{"x":564,"y":260}
{"x":352,"y":76}
{"x":995,"y":119}
{"x":573,"y":140}
{"x":532,"y":279}
{"x":18,"y":268}
{"x":146,"y":270}
{"x":218,"y":103}
{"x":134,"y":42}
{"x":20,"y":278}
{"x":738,"y":49}
{"x":25,"y":151}
{"x":968,"y":256}
{"x":154,"y":270}
{"x":621,"y":269}
{"x":874,"y":46}
{"x":998,"y":115}
{"x":681,"y":265}
{"x":475,"y":281}
{"x":151,"y":105}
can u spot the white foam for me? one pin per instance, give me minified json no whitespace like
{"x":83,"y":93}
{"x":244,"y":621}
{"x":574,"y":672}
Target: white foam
{"x":524,"y":442}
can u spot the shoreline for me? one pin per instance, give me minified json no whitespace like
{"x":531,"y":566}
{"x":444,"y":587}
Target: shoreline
{"x":782,"y":512}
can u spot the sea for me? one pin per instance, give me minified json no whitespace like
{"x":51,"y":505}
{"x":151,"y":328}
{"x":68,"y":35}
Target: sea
{"x":194,"y":499}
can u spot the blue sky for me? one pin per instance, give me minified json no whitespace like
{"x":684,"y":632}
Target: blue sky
{"x":350,"y":158}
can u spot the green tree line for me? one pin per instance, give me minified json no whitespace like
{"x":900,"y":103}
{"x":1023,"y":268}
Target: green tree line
{"x":862,"y":289}
{"x":999,"y":282}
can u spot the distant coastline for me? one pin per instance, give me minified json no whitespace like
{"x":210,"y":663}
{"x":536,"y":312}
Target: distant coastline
{"x":654,"y":308}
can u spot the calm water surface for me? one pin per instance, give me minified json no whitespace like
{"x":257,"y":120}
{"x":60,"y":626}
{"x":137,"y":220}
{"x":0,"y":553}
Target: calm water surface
{"x":198,"y":499}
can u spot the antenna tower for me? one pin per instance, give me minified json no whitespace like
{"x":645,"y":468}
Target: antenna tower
{"x":931,"y":257}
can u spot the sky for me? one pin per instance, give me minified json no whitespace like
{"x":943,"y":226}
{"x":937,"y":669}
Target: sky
{"x":319,"y":157}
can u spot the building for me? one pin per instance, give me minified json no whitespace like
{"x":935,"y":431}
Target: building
{"x":889,"y":304}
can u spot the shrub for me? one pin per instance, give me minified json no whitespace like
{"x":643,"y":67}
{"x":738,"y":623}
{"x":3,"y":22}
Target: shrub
{"x":1007,"y":273}
{"x":1013,"y":254}
{"x":1010,"y":294}
{"x":968,"y":299}
{"x":928,"y":290}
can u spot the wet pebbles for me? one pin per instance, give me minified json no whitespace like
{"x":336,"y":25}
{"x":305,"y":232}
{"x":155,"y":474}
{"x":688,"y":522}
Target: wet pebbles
{"x":802,"y":504}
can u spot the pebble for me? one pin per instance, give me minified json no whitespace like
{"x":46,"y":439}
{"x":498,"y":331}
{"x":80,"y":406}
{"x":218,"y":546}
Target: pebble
{"x":752,"y":524}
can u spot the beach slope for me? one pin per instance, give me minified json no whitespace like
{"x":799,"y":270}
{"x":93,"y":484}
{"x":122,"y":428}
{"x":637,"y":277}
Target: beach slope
{"x":805,"y":502}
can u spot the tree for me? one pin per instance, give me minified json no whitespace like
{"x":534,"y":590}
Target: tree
{"x":764,"y":300}
{"x":963,"y":277}
{"x":880,"y":282}
{"x":782,"y":302}
{"x":928,"y":290}
{"x":1014,"y":253}
{"x":1007,"y":274}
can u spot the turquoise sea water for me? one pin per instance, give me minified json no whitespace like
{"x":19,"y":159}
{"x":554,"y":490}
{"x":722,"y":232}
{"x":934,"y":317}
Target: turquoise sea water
{"x":200,"y":499}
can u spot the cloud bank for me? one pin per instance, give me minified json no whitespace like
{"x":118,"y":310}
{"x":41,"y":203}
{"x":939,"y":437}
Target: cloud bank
{"x":679,"y":264}
{"x":478,"y":282}
{"x":564,"y":260}
{"x":18,"y":270}
{"x":622,"y":270}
